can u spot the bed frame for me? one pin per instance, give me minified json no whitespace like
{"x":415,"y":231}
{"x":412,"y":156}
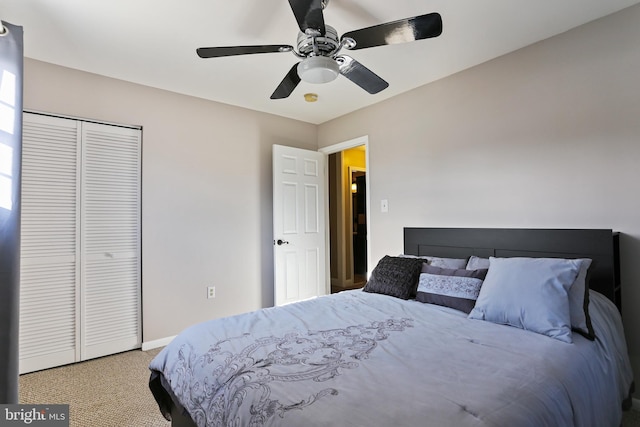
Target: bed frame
{"x":601,"y":245}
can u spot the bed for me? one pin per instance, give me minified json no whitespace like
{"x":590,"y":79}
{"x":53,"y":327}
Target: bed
{"x":416,"y":347}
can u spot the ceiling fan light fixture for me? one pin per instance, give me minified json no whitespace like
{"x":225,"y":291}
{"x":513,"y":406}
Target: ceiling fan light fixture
{"x":318,"y":69}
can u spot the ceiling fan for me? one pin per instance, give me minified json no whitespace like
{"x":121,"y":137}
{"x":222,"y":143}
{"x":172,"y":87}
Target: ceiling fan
{"x":319,"y":47}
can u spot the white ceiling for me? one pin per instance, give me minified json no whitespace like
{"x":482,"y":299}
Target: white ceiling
{"x":153,"y":43}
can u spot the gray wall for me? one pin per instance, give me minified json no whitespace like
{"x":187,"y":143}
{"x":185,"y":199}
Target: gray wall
{"x":206,"y":191}
{"x":548,"y":136}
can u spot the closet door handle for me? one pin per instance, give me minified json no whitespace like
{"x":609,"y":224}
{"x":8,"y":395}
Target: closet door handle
{"x":281,"y":242}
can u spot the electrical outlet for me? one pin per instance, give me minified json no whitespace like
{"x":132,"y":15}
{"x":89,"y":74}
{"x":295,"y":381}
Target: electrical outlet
{"x":211,"y":292}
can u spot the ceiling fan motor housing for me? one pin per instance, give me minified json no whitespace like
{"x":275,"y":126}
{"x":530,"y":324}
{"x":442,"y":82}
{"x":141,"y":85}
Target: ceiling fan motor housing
{"x":325,"y":44}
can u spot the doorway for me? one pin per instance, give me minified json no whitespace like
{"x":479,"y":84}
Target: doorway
{"x":348,"y":214}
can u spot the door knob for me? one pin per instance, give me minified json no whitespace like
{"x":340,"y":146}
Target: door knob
{"x":281,"y":242}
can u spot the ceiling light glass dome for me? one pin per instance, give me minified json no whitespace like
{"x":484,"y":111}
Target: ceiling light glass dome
{"x":318,"y":69}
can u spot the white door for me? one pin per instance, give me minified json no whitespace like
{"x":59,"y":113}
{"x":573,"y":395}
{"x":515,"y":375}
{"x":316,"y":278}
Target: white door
{"x":110,"y":240}
{"x":299,"y":224}
{"x":50,"y":248}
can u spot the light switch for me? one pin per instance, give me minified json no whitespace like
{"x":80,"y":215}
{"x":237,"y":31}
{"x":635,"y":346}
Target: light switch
{"x":384,"y":206}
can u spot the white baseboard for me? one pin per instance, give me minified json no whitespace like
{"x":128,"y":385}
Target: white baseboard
{"x":150,"y":345}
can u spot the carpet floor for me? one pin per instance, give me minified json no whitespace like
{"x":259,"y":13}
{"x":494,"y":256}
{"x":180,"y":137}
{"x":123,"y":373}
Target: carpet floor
{"x":110,"y":391}
{"x":113,"y":391}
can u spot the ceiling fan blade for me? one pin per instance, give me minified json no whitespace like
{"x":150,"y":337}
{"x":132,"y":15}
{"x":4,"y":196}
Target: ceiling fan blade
{"x":308,"y":13}
{"x":288,"y":84}
{"x":403,"y":30}
{"x":361,"y":75}
{"x":216,"y":52}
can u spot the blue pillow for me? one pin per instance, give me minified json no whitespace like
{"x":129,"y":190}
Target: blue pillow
{"x":529,"y":293}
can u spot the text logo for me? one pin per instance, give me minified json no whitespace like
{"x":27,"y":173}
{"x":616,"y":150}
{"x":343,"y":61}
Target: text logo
{"x":34,"y":415}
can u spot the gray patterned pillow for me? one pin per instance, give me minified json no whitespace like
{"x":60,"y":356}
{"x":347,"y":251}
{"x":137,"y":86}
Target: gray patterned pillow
{"x":436,"y":261}
{"x":452,"y":263}
{"x":395,"y":276}
{"x":475,"y":263}
{"x":455,"y":288}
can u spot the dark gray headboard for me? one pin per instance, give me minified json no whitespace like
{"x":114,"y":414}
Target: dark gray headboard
{"x":600,"y":245}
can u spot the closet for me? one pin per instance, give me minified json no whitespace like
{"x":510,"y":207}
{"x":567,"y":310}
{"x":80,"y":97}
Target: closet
{"x":80,"y":294}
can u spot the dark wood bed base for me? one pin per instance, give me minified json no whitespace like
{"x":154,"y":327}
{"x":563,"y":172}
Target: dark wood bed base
{"x":601,"y":245}
{"x":180,"y":419}
{"x":598,"y":244}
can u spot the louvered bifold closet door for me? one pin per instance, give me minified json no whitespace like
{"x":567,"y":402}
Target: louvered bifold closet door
{"x":110,"y":236}
{"x":49,"y":265}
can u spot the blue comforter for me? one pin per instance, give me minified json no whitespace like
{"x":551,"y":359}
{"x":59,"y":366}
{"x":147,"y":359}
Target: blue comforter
{"x":363,"y":359}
